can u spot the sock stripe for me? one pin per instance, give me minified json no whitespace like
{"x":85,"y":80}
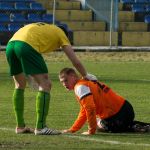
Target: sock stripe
{"x":43,"y":111}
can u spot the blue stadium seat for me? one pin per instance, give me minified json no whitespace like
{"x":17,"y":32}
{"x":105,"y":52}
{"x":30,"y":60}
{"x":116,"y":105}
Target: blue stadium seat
{"x":34,"y":18}
{"x":4,"y":17}
{"x":17,"y":17}
{"x":141,"y":1}
{"x":63,"y":25}
{"x":147,"y":19}
{"x":21,"y":6}
{"x":36,"y":6}
{"x":138,"y":8}
{"x":148,"y":8}
{"x":127,"y":1}
{"x":6,"y":6}
{"x":65,"y":28}
{"x":57,"y":22}
{"x":17,"y":1}
{"x":47,"y":18}
{"x":14,"y":27}
{"x":3,"y":28}
{"x":29,"y":0}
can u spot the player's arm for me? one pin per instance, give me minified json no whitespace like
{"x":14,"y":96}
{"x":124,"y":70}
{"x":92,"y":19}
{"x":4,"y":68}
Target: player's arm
{"x":77,"y":64}
{"x":79,"y":122}
{"x":90,"y":109}
{"x":86,"y":100}
{"x":75,"y":61}
{"x":67,"y":48}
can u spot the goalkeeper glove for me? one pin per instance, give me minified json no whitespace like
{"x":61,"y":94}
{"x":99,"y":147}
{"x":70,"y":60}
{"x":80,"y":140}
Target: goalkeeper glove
{"x":90,"y":77}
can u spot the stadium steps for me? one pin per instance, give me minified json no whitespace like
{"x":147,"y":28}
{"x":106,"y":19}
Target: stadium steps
{"x":133,"y":26}
{"x":73,"y":15}
{"x":92,"y":38}
{"x":86,"y":25}
{"x":126,"y":16}
{"x":72,"y":5}
{"x":133,"y":31}
{"x":63,"y":4}
{"x":135,"y":38}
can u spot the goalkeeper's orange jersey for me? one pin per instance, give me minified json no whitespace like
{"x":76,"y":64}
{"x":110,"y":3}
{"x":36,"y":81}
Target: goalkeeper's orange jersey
{"x":96,"y":99}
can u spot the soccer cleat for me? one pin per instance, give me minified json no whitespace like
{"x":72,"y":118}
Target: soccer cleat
{"x":24,"y":130}
{"x":140,"y":128}
{"x":147,"y":128}
{"x":46,"y":131}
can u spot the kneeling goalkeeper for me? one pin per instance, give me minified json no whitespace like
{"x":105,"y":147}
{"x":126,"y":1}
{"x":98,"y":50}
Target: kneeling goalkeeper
{"x":100,"y":106}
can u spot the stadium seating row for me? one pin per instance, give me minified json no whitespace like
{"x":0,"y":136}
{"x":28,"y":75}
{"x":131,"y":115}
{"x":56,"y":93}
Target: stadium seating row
{"x":10,"y":27}
{"x":31,"y":17}
{"x":134,"y":1}
{"x":13,"y":27}
{"x":17,"y":1}
{"x":140,"y":8}
{"x":147,"y":19}
{"x":21,"y":6}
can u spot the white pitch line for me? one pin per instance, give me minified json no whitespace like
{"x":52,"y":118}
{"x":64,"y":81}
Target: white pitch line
{"x":107,"y":141}
{"x":143,"y":80}
{"x":93,"y":139}
{"x":7,"y":129}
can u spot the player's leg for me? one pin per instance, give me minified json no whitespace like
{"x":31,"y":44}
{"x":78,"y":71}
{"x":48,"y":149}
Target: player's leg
{"x":19,"y":80}
{"x":122,"y":121}
{"x":139,"y":126}
{"x":18,"y":98}
{"x":18,"y":103}
{"x":42,"y":99}
{"x":42,"y":104}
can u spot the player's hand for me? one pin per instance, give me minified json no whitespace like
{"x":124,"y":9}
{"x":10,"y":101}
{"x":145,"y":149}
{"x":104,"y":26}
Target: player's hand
{"x":90,"y":77}
{"x":66,"y":131}
{"x":86,"y":133}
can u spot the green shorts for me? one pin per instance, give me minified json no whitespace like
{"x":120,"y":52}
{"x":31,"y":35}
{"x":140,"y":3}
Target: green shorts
{"x":23,"y":58}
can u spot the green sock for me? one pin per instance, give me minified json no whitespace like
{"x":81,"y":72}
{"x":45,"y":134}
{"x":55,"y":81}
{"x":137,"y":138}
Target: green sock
{"x":42,"y":107}
{"x":18,"y":104}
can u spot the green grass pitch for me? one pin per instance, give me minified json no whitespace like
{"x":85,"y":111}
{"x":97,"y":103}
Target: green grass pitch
{"x":127,"y":73}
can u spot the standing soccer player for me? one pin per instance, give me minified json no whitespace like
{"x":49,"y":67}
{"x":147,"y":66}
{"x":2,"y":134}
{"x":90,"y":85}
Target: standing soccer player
{"x":24,"y":57}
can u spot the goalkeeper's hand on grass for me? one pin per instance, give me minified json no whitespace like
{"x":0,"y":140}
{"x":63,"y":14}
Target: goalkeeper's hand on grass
{"x":66,"y":131}
{"x":90,"y":77}
{"x":86,"y":133}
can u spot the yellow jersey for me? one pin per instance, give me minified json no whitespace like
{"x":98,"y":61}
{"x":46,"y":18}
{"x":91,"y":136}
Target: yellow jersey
{"x":42,"y":37}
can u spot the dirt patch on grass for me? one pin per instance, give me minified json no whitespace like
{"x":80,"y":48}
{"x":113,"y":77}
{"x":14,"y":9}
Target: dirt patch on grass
{"x":102,"y":56}
{"x":95,"y":56}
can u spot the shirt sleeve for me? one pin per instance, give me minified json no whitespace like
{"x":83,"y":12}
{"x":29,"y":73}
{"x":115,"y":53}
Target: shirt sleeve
{"x":81,"y":119}
{"x":90,"y":110}
{"x":82,"y":91}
